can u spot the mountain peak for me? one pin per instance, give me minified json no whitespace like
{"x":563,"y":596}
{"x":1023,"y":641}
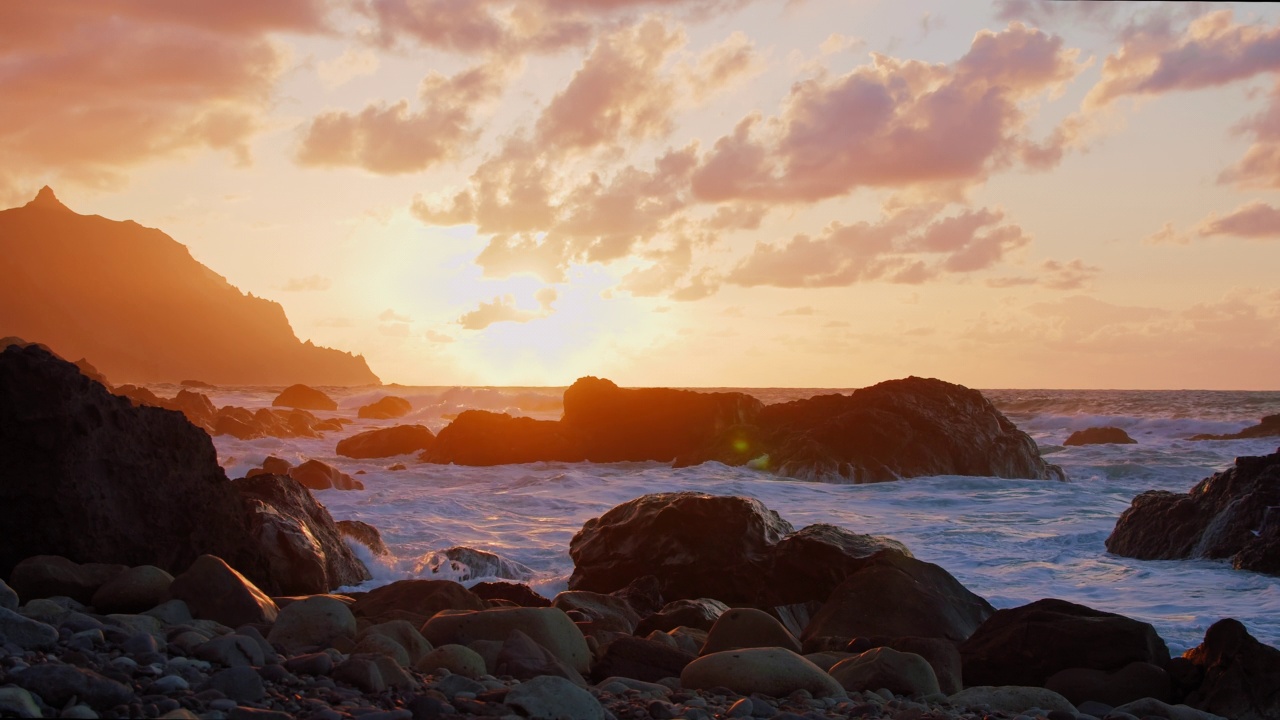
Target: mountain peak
{"x":46,"y":200}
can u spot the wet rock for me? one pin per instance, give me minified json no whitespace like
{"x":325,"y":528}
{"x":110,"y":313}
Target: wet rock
{"x":896,"y":595}
{"x":58,"y":684}
{"x":386,"y":442}
{"x":771,"y":671}
{"x":480,"y":437}
{"x":1227,"y":515}
{"x":312,"y":622}
{"x":554,"y":698}
{"x":304,"y":398}
{"x":1240,"y":675}
{"x":466,"y":563}
{"x":133,"y":591}
{"x":315,"y":475}
{"x":213,"y":590}
{"x":517,"y":593}
{"x":1027,"y":645}
{"x":1268,"y":427}
{"x":415,"y":600}
{"x":1100,"y":436}
{"x":384,"y":408}
{"x":302,"y":547}
{"x":363,"y":533}
{"x":901,"y":673}
{"x":748,"y":628}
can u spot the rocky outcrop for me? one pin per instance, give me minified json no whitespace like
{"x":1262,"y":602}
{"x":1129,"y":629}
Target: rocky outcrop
{"x":303,"y":397}
{"x":385,"y":408}
{"x":1240,"y":677}
{"x":1231,"y":514}
{"x":386,"y":442}
{"x":363,"y":533}
{"x":896,"y":429}
{"x":617,"y":424}
{"x":1100,"y":436}
{"x":302,"y":548}
{"x":480,"y":437}
{"x":315,"y":475}
{"x":1027,"y":645}
{"x":143,"y":310}
{"x":1268,"y":427}
{"x":85,"y":475}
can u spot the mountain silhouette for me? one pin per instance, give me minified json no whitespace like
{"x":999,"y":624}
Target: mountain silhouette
{"x":134,"y":302}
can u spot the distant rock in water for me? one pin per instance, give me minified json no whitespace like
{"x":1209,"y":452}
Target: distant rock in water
{"x":386,"y":442}
{"x":1232,"y":514}
{"x":1269,"y":427}
{"x":897,"y":429}
{"x":304,"y":398}
{"x":315,"y":475}
{"x":143,"y":310}
{"x":1100,"y":436}
{"x":387,"y":408}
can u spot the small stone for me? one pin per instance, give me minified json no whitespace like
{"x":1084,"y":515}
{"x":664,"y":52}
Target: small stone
{"x":231,"y":651}
{"x":241,"y":684}
{"x":549,"y":697}
{"x":310,"y":664}
{"x":362,"y":672}
{"x":171,"y":612}
{"x":26,"y":633}
{"x":16,"y":702}
{"x":169,"y":684}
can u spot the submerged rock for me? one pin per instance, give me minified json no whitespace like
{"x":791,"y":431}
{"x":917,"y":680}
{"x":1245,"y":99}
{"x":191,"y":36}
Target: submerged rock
{"x":1231,"y":514}
{"x":365,"y":534}
{"x":1100,"y":436}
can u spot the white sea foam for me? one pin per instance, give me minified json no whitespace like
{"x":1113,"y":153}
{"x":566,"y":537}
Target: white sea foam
{"x":1011,"y":541}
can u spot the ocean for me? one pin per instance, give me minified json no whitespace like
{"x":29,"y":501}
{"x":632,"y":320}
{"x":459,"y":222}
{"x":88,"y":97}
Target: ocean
{"x":1011,"y":541}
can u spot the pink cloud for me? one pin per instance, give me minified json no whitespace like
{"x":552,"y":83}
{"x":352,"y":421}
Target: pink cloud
{"x":392,"y":139}
{"x":892,"y":123}
{"x":723,"y":66}
{"x":504,"y":309}
{"x":148,"y":79}
{"x":1256,"y":220}
{"x":1055,"y":275}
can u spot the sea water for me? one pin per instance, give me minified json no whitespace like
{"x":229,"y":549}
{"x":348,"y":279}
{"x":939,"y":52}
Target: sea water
{"x":1011,"y":541}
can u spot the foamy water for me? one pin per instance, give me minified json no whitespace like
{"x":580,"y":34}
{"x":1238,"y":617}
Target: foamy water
{"x":1011,"y":541}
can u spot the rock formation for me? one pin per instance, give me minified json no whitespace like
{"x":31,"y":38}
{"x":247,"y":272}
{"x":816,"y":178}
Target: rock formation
{"x":1268,"y":427}
{"x":1232,"y":514}
{"x":386,"y":442}
{"x":142,"y":309}
{"x":1100,"y":436}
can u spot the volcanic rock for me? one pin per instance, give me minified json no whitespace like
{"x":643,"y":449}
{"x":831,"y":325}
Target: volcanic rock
{"x":296,"y":537}
{"x":1027,"y":645}
{"x":696,"y":545}
{"x":386,"y":442}
{"x":1100,"y":436}
{"x":1230,"y":514}
{"x":893,"y":594}
{"x":896,"y":429}
{"x":1268,"y":427}
{"x":618,"y":424}
{"x":117,"y":484}
{"x":480,"y":437}
{"x":385,"y":408}
{"x":1241,"y":675}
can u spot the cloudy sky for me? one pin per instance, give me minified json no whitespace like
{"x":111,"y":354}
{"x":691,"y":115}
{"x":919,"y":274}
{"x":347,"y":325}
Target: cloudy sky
{"x":817,"y":193}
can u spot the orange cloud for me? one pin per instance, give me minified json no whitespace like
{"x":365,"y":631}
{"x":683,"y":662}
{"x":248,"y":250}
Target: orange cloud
{"x":92,"y":88}
{"x":892,"y":123}
{"x":310,"y":283}
{"x":909,"y":248}
{"x":723,"y":66}
{"x":1055,"y":275}
{"x":503,"y":309}
{"x":391,"y":139}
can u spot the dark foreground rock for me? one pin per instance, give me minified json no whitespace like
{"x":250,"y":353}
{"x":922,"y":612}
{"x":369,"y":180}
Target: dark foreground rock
{"x":1231,"y":514}
{"x":1241,"y":676}
{"x":480,"y":437}
{"x":85,"y":475}
{"x":1100,"y":436}
{"x":1268,"y":427}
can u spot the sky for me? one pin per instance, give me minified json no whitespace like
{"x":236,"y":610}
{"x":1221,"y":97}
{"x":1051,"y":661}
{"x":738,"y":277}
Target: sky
{"x":709,"y":193}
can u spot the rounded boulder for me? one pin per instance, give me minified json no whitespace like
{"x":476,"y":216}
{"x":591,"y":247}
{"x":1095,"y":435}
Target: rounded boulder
{"x":883,"y":667}
{"x":772,"y":671}
{"x":315,"y":621}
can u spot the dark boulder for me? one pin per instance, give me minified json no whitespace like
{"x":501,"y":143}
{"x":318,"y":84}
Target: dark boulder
{"x":414,"y":600}
{"x":198,"y":408}
{"x":1029,"y":644}
{"x":897,"y":429}
{"x":1134,"y":681}
{"x":699,"y":613}
{"x":304,"y":398}
{"x":315,"y":475}
{"x":480,"y":437}
{"x":618,"y":424}
{"x":696,"y":545}
{"x":464,"y":563}
{"x":44,"y":576}
{"x":1100,"y":436}
{"x":1227,"y":515}
{"x":809,"y":563}
{"x":1268,"y":427}
{"x":515,"y":593}
{"x":269,"y":422}
{"x":386,"y":442}
{"x":86,"y":475}
{"x":640,"y":659}
{"x":896,"y":595}
{"x":215,"y":591}
{"x":1241,"y":676}
{"x":302,"y":548}
{"x":365,"y":534}
{"x":385,"y":408}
